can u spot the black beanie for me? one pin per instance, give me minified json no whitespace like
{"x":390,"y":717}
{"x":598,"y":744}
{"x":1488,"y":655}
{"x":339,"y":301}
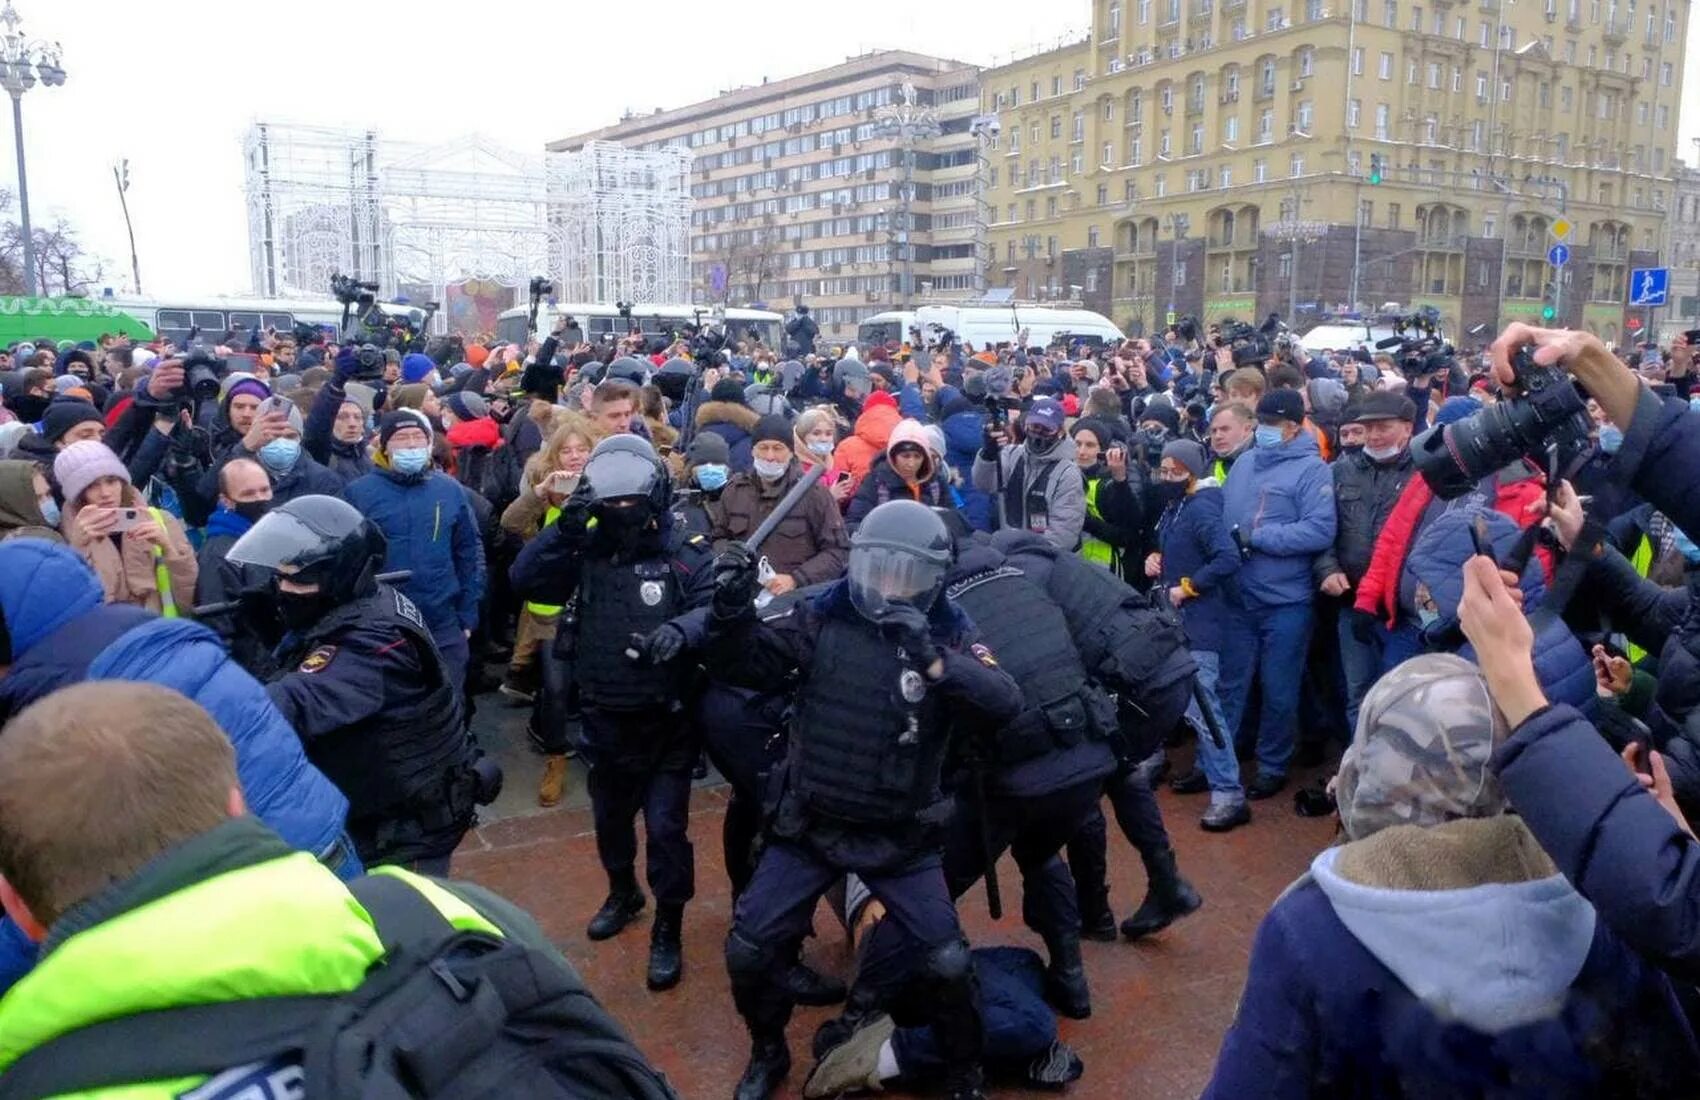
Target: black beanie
{"x":65,"y":414}
{"x":393,"y":422}
{"x":727,"y":389}
{"x":772,"y":427}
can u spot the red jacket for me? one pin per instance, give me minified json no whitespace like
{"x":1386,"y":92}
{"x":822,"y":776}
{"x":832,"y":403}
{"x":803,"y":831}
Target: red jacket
{"x":1378,"y":591}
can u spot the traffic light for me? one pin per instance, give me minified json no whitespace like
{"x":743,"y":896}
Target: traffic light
{"x":1549,"y":302}
{"x":1375,"y":168}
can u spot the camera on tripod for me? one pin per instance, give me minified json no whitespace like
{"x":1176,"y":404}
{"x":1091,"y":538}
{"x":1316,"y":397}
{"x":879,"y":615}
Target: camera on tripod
{"x":349,"y":291}
{"x":1547,"y":410}
{"x":541,"y":287}
{"x":1422,"y":350}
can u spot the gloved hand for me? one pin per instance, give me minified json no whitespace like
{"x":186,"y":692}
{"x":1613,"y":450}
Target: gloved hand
{"x":347,"y":363}
{"x":734,"y":580}
{"x":989,"y":445}
{"x":663,"y":643}
{"x":908,"y":626}
{"x":574,"y":520}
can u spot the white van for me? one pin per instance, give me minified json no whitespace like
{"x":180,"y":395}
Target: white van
{"x":988,"y":326}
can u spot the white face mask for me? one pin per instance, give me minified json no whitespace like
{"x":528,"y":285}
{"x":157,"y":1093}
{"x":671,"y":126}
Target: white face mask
{"x":1382,"y":454}
{"x":770,"y":471}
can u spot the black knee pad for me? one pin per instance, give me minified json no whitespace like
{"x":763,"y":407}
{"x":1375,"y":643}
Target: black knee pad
{"x":746,"y":959}
{"x":950,"y":962}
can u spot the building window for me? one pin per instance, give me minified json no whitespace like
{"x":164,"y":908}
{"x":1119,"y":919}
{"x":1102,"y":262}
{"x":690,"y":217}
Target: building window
{"x":1434,"y":75}
{"x":1160,"y":186}
{"x":1382,"y":114}
{"x":1307,"y":61}
{"x":1305,"y":113}
{"x":1260,"y":170}
{"x":1231,"y":129}
{"x":1109,"y":110}
{"x":1196,"y":145}
{"x":1357,"y":61}
{"x":1056,"y":127}
{"x":1393,"y":215}
{"x":1366,"y":212}
{"x":1391,"y":14}
{"x":1226,"y":176}
{"x":1265,"y":126}
{"x":1354,"y":112}
{"x":1107,"y":155}
{"x":1384,"y":69}
{"x":1417,"y":20}
{"x":1296,"y":165}
{"x":1103,"y":194}
{"x":1079,"y":79}
{"x":1665,"y":72}
{"x":1080,"y":126}
{"x":1092,"y":236}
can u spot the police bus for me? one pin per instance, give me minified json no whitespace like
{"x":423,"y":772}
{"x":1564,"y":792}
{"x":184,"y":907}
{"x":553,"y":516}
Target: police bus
{"x":602,"y":323}
{"x":174,"y":318}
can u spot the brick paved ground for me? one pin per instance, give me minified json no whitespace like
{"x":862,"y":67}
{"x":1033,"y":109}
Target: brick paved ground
{"x":1159,"y":1008}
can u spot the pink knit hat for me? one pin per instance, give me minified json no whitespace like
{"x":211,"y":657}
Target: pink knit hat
{"x":82,"y":464}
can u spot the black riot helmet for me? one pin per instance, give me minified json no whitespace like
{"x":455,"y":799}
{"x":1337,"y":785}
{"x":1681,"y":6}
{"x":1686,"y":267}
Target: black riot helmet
{"x":899,"y":555}
{"x":316,"y":540}
{"x":674,"y":378}
{"x":623,"y":468}
{"x":633,"y":370}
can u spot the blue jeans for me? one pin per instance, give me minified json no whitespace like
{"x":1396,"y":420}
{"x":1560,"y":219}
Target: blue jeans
{"x":1269,"y":643}
{"x":1221,"y":766}
{"x":1360,"y":664}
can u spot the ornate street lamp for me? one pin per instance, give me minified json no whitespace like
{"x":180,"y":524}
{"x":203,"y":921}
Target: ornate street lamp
{"x":909,"y":123}
{"x":22,"y":63}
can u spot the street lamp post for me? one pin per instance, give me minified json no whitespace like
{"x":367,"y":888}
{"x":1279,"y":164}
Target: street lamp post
{"x":908,"y":123}
{"x":1178,"y":225}
{"x":1295,"y":233}
{"x":22,"y":63}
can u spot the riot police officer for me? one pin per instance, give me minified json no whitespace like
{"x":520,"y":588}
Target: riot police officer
{"x":1039,"y":776}
{"x":888,"y":670}
{"x":363,"y":684}
{"x":616,"y":560}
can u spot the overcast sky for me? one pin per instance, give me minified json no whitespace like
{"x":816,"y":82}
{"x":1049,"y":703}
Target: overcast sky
{"x":172,"y":85}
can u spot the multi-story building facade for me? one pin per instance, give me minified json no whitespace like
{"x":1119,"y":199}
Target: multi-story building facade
{"x":1684,"y":255}
{"x":799,"y":186}
{"x":1237,"y":157}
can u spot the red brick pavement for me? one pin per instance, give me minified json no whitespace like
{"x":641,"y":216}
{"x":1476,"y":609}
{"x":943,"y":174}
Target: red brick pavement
{"x":1159,"y":1009}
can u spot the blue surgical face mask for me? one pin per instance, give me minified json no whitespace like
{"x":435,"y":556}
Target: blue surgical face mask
{"x":820,"y":447}
{"x":1611,"y":438}
{"x":49,"y":511}
{"x":410,"y":460}
{"x":711,"y":478}
{"x":1694,"y":402}
{"x":280,"y":454}
{"x":1685,"y":546}
{"x":1268,"y":435}
{"x":1427,"y":616}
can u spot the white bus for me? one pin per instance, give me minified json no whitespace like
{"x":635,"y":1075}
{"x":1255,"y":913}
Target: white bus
{"x":601,"y":321}
{"x":989,"y":326}
{"x":883,"y":328}
{"x":174,"y":318}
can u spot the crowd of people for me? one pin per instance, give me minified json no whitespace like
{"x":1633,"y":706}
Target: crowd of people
{"x":918,"y":605}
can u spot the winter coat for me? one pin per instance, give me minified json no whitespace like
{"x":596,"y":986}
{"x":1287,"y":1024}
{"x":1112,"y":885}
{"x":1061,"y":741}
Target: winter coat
{"x":220,"y":580}
{"x":20,"y":510}
{"x":810,"y":544}
{"x":1378,"y":588}
{"x":346,"y":460}
{"x":964,"y":425}
{"x":125,"y":564}
{"x":867,"y":440}
{"x":1120,"y":521}
{"x":1196,"y":546}
{"x":733,"y":423}
{"x":1610,"y":838}
{"x":1365,"y":492}
{"x":1282,"y":500}
{"x":62,"y":634}
{"x":432,"y":533}
{"x":1449,"y":961}
{"x":883,"y":484}
{"x":1063,"y":490}
{"x":475,"y":443}
{"x":306,"y":478}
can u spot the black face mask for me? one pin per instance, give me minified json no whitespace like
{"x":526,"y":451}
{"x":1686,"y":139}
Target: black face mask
{"x":252,"y":510}
{"x":1155,"y":437}
{"x":1170,"y":491}
{"x":299,"y":611}
{"x":1042,"y":444}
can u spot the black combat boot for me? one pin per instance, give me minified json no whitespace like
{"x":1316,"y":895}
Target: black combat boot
{"x":1097,"y":919}
{"x":620,"y":908}
{"x":1065,"y":980}
{"x":770,"y":1061}
{"x":809,"y":986}
{"x":861,"y":1006}
{"x":666,"y":957}
{"x":1168,"y":897}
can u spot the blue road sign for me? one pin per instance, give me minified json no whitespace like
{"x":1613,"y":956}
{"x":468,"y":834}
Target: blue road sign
{"x":1558,"y":255}
{"x":1648,"y":286}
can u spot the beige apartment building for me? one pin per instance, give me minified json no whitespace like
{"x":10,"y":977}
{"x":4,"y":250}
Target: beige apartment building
{"x":1237,"y":157}
{"x":799,"y":186}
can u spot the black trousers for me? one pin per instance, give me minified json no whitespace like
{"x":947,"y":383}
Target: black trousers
{"x":621,"y":786}
{"x":1135,"y":806}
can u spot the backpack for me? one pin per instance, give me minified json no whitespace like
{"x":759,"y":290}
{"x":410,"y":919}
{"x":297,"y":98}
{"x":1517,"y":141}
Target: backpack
{"x":446,"y":1014}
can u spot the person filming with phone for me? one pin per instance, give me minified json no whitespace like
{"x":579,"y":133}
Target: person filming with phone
{"x":140,"y":553}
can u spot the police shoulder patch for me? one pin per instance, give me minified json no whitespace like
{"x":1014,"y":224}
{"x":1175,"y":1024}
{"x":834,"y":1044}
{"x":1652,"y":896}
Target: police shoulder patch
{"x":408,"y":610}
{"x":318,"y":659}
{"x":983,"y":655}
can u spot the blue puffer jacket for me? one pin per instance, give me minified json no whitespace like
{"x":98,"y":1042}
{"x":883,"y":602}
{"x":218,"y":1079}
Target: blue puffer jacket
{"x":1282,"y":498}
{"x":1195,"y":545}
{"x":433,"y":534}
{"x":964,"y":431}
{"x":62,"y":634}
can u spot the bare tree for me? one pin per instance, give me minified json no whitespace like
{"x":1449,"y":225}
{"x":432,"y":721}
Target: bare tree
{"x":62,"y":266}
{"x":753,"y":263}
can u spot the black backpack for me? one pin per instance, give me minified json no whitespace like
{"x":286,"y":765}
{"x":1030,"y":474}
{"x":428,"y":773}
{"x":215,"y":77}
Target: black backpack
{"x":446,"y":1014}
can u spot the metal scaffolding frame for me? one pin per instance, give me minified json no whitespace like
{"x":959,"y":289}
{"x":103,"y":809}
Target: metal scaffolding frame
{"x":605,"y":223}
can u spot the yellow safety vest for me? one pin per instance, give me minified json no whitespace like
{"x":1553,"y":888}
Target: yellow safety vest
{"x":1094,"y":550}
{"x":1643,"y":562}
{"x":161,"y":574}
{"x":546,"y":610}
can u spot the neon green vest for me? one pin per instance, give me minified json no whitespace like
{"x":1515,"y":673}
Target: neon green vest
{"x":546,"y":610}
{"x":1643,"y":562}
{"x":162,"y":575}
{"x":284,"y":927}
{"x":1094,"y":550}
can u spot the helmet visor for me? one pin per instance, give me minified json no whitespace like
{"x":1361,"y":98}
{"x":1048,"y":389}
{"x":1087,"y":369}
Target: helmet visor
{"x":882,"y":577}
{"x":279,"y":542}
{"x":620,"y":474}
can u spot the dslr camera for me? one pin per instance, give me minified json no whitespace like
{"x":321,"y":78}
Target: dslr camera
{"x":1253,"y":345}
{"x":351,"y":292}
{"x":1546,"y":411}
{"x":1421,"y":349}
{"x":541,"y":287}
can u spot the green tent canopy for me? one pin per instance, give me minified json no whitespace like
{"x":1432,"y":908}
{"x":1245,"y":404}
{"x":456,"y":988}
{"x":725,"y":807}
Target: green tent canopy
{"x":65,"y":319}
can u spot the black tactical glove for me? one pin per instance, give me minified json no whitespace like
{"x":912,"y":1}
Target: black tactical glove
{"x":574,"y":520}
{"x":734,"y":581}
{"x":989,"y":445}
{"x":908,"y":626}
{"x":660,"y":645}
